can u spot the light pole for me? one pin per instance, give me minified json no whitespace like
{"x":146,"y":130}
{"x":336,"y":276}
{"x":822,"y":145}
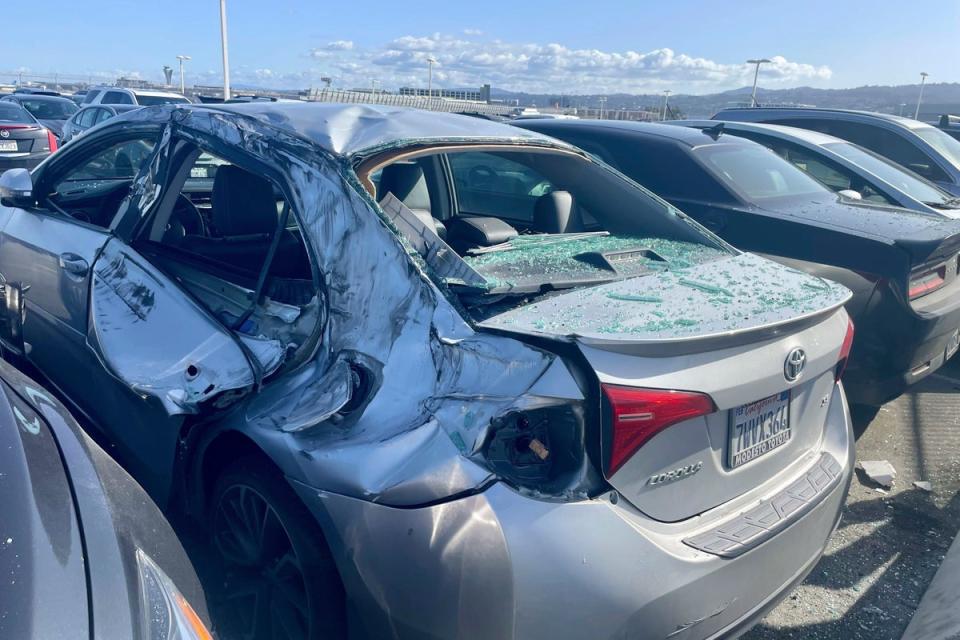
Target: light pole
{"x":666,"y":96}
{"x":430,"y":62}
{"x":603,"y":102}
{"x":756,"y":73}
{"x":223,"y":42}
{"x":181,"y":59}
{"x":923,"y":79}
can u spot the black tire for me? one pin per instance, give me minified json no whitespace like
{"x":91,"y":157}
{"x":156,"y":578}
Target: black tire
{"x":280,"y":580}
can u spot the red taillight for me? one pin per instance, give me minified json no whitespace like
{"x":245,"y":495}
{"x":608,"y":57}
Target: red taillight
{"x":51,"y":141}
{"x":639,"y":414}
{"x":844,"y":351}
{"x":927,"y":282}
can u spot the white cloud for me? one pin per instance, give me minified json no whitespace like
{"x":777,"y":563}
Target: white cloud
{"x":339,"y":45}
{"x":470,"y":59}
{"x":553,"y":67}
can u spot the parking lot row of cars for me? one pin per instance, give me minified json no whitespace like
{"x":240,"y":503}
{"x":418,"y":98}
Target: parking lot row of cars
{"x":566,"y":405}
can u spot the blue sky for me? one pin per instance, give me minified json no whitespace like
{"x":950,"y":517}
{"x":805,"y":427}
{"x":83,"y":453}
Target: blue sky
{"x":557,"y":46}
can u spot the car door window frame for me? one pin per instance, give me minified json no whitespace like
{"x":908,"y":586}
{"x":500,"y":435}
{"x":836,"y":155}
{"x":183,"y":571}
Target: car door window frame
{"x":181,"y":153}
{"x":73,"y":156}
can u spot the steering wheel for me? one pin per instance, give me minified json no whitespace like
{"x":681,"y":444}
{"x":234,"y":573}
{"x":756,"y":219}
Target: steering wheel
{"x":185,"y":220}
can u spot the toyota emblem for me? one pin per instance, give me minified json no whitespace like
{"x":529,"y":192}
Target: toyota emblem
{"x":4,"y":133}
{"x":793,"y":365}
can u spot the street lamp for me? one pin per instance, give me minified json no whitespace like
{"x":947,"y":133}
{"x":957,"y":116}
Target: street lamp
{"x":223,"y":42}
{"x":756,"y":72}
{"x":603,"y":101}
{"x":430,"y":62}
{"x":923,"y":79}
{"x":666,"y":96}
{"x":182,"y":59}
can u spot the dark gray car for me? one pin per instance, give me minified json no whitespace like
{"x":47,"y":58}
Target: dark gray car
{"x":920,"y":147}
{"x":24,"y":142}
{"x":79,"y":532}
{"x":51,"y":111}
{"x":900,"y":264}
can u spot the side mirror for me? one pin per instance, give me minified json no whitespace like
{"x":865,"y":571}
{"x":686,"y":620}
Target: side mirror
{"x":850,"y":194}
{"x":16,"y":189}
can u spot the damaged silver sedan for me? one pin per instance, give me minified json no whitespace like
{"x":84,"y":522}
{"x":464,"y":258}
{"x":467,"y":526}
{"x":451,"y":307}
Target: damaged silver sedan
{"x":454,"y":378}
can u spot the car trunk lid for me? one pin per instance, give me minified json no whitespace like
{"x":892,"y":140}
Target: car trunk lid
{"x":723,"y":330}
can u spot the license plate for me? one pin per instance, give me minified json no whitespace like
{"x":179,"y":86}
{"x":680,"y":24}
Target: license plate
{"x":8,"y":145}
{"x":758,"y":428}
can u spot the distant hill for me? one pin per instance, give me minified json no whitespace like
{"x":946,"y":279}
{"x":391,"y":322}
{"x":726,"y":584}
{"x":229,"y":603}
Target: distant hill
{"x":886,"y":99}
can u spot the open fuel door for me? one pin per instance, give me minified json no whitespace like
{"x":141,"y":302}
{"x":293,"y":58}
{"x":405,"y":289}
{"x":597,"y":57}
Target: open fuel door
{"x":158,"y":342}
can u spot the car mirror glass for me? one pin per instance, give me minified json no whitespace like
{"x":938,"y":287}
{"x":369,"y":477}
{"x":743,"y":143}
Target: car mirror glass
{"x":16,"y":189}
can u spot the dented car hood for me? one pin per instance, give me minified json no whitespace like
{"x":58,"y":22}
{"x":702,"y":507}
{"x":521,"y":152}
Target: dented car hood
{"x":735,"y":294}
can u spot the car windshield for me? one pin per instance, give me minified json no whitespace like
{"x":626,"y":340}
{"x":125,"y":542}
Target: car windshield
{"x":10,"y":112}
{"x":946,"y":145}
{"x":757,"y":173}
{"x":50,"y":109}
{"x":912,"y":185}
{"x":150,"y":101}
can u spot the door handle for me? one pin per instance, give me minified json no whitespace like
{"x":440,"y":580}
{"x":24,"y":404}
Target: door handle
{"x":74,"y":264}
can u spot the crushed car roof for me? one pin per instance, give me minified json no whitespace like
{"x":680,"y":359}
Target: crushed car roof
{"x":347,"y":129}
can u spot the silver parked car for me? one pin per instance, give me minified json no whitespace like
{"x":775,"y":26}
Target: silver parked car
{"x":844,"y":167}
{"x":459,"y":379}
{"x":89,"y":117}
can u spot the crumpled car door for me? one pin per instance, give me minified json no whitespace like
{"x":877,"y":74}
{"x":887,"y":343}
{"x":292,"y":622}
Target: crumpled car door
{"x":159,"y":342}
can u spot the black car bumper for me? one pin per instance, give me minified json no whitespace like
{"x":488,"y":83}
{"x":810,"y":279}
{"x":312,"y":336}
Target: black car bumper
{"x":28,"y":161}
{"x":897,"y":345}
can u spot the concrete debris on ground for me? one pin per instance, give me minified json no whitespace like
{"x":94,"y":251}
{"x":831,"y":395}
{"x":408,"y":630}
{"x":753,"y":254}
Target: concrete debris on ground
{"x":879,"y":471}
{"x":923,"y":485}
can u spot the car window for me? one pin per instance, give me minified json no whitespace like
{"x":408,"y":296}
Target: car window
{"x":826,"y":171}
{"x":121,"y":161}
{"x":891,"y":173}
{"x":12,"y":112}
{"x":661,"y":166}
{"x":116,"y":97}
{"x":50,"y":109}
{"x":758,"y":173}
{"x":91,"y":95}
{"x":946,"y":145}
{"x":887,"y":143}
{"x":231,"y":238}
{"x":150,"y":101}
{"x":88,"y":117}
{"x":103,"y":114}
{"x":498,"y":253}
{"x":489,"y":184}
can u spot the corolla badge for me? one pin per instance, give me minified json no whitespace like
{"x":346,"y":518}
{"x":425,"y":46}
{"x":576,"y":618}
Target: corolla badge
{"x":793,"y":365}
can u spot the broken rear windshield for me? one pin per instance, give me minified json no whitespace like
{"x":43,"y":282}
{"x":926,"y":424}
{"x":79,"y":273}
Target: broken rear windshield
{"x":527,"y":263}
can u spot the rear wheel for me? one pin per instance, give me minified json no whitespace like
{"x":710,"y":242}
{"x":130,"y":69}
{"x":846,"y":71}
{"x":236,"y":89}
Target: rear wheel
{"x":280,"y":581}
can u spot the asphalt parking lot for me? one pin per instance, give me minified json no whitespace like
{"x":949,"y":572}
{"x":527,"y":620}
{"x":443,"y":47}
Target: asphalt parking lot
{"x":889,"y":544}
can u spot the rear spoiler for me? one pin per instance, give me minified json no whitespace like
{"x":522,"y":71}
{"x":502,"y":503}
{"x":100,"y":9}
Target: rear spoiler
{"x":932,"y":245}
